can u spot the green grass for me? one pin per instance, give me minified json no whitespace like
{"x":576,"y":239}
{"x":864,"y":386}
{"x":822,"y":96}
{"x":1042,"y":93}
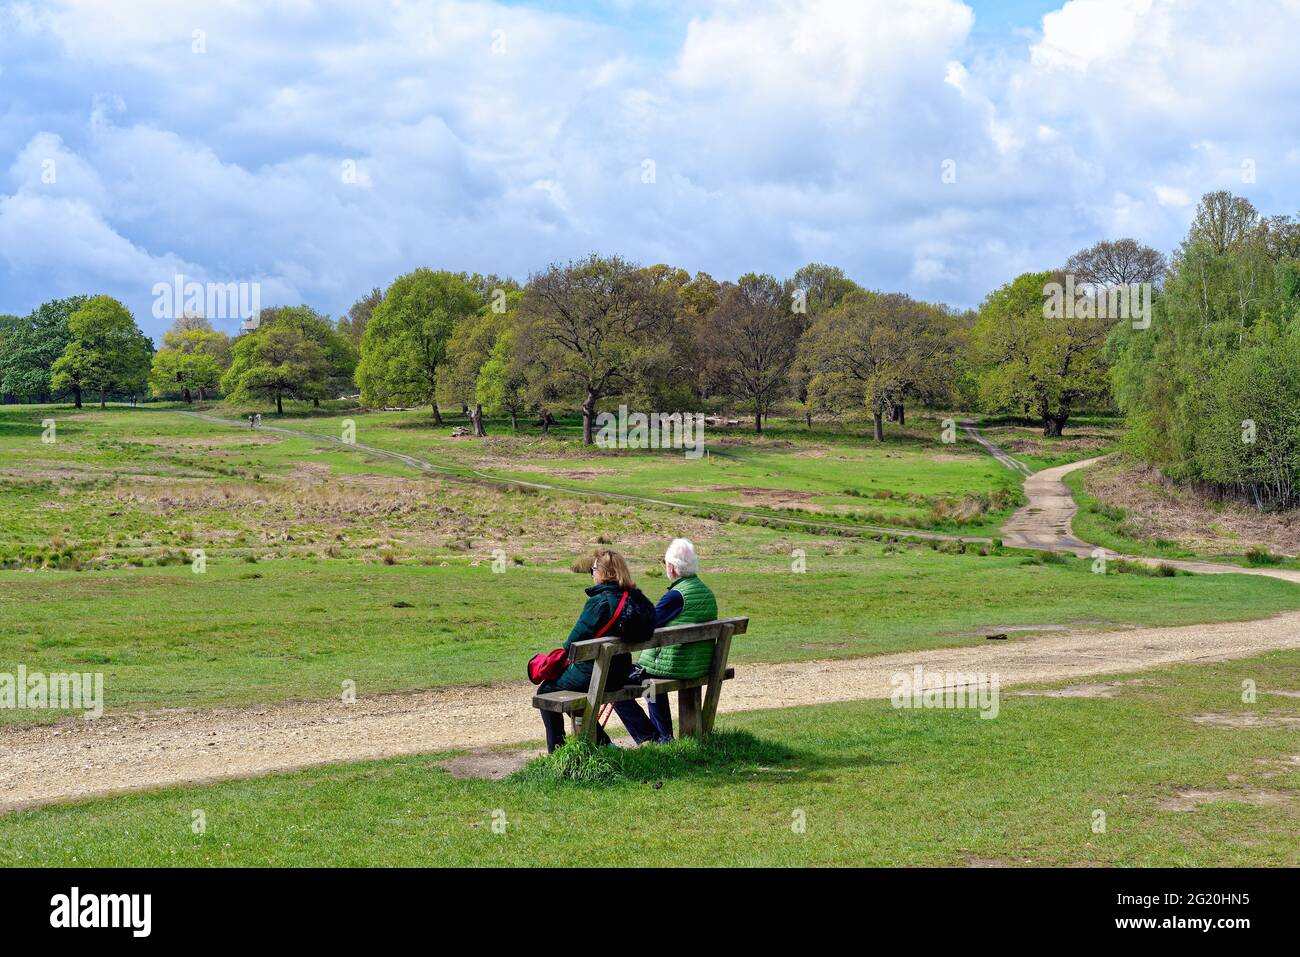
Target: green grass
{"x":248,"y":634}
{"x":319,"y":573}
{"x":870,"y":784}
{"x":832,"y":471}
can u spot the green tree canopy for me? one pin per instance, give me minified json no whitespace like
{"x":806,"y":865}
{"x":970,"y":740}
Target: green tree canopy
{"x":33,"y":345}
{"x":876,"y":351}
{"x":274,"y":361}
{"x":107,"y":352}
{"x":405,"y":341}
{"x":593,"y":328}
{"x":1034,"y":361}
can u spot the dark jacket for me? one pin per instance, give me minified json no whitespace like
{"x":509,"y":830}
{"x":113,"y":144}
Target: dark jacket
{"x":602,"y":601}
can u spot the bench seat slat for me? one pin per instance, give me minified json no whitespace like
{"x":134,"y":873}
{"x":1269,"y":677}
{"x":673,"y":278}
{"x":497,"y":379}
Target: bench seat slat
{"x":662,"y":638}
{"x":569,"y":702}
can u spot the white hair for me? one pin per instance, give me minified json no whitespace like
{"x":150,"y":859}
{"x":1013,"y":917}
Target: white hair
{"x":681,"y":555}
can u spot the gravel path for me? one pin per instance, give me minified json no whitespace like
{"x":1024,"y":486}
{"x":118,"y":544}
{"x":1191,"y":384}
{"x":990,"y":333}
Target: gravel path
{"x":131,"y":751}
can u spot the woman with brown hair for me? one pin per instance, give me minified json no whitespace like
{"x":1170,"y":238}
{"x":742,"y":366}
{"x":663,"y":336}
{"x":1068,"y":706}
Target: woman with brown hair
{"x":615,"y":608}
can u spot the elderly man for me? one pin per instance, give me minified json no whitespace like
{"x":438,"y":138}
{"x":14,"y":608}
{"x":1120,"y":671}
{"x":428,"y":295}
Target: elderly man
{"x":687,"y":601}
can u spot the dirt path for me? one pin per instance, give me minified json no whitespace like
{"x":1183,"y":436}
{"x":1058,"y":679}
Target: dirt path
{"x":123,"y":752}
{"x":1046,"y":523}
{"x":131,"y":751}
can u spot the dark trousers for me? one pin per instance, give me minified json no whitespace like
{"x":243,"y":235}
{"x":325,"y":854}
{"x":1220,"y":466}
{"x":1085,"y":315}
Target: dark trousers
{"x":574,"y":679}
{"x":658,"y":727}
{"x":554,"y":722}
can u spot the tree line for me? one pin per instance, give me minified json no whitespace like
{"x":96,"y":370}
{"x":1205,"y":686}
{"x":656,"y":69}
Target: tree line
{"x":1215,"y":362}
{"x":1212,"y":389}
{"x":583,"y":333}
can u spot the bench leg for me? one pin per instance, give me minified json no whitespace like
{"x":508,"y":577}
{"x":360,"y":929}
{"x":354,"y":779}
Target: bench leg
{"x":721,"y":651}
{"x":596,"y":691}
{"x":688,"y":712}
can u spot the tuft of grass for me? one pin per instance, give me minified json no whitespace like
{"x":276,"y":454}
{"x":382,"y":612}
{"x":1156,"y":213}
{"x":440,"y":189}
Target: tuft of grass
{"x":1259,"y":555}
{"x":1163,"y":570}
{"x":577,"y":761}
{"x":580,"y":762}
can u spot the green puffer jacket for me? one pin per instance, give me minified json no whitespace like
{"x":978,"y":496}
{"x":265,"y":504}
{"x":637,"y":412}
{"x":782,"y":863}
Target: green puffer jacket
{"x":685,"y":661}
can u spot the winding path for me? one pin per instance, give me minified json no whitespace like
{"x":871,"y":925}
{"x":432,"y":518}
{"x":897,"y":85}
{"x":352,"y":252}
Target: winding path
{"x":127,"y":751}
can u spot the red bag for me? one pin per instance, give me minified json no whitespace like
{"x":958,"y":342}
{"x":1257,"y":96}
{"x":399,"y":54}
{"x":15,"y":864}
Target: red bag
{"x":549,"y":666}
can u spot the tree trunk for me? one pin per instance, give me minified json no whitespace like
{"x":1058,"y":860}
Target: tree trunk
{"x":315,"y":401}
{"x":1054,"y":425}
{"x":897,"y":413}
{"x":103,"y":402}
{"x":588,"y":417}
{"x":186,"y":394}
{"x":437,"y":416}
{"x":758,"y":422}
{"x":476,"y":419}
{"x":76,"y":396}
{"x":514,"y":422}
{"x":807,"y":417}
{"x":879,"y":434}
{"x":279,"y":404}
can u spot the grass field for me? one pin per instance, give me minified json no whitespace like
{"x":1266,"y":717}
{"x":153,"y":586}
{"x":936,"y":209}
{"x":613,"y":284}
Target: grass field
{"x":318,"y":570}
{"x":871,"y":785}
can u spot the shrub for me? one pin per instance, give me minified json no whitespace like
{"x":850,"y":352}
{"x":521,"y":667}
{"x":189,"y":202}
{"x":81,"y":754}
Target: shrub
{"x":1260,"y":555}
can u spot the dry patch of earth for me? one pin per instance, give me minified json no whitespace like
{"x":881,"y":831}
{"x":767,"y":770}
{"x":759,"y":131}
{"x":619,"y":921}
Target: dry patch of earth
{"x":1190,"y":799}
{"x":1157,"y":508}
{"x":490,"y":765}
{"x":1246,"y":719}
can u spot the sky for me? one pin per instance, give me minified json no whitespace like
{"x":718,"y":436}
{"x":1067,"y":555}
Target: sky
{"x":318,"y":148}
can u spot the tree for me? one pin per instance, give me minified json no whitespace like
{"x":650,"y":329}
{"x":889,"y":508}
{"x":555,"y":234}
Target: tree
{"x":876,"y":351}
{"x":591,"y":328}
{"x":9,"y":328}
{"x":193,"y":358}
{"x":1210,"y":389}
{"x":1119,"y":263}
{"x":1222,"y":221}
{"x":823,"y":287}
{"x":273,"y":361}
{"x":353,"y":325}
{"x":406,"y":338}
{"x":33,"y":346}
{"x":502,"y":384}
{"x":340,"y":356}
{"x":749,"y":342}
{"x":107,"y":353}
{"x":1033,"y":360}
{"x":469,"y":349}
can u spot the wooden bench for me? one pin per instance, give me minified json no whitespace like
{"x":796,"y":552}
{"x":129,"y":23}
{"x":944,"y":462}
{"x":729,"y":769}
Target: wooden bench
{"x":693,"y":715}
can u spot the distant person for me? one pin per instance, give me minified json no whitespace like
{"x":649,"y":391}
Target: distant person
{"x":252,"y":423}
{"x":258,"y":419}
{"x":615,"y":608}
{"x":687,"y":601}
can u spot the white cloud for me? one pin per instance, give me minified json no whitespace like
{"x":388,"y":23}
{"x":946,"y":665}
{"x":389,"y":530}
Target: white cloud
{"x":499,"y":138}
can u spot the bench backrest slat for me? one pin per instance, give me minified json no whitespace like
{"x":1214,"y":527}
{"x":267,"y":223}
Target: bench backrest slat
{"x":672,"y":635}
